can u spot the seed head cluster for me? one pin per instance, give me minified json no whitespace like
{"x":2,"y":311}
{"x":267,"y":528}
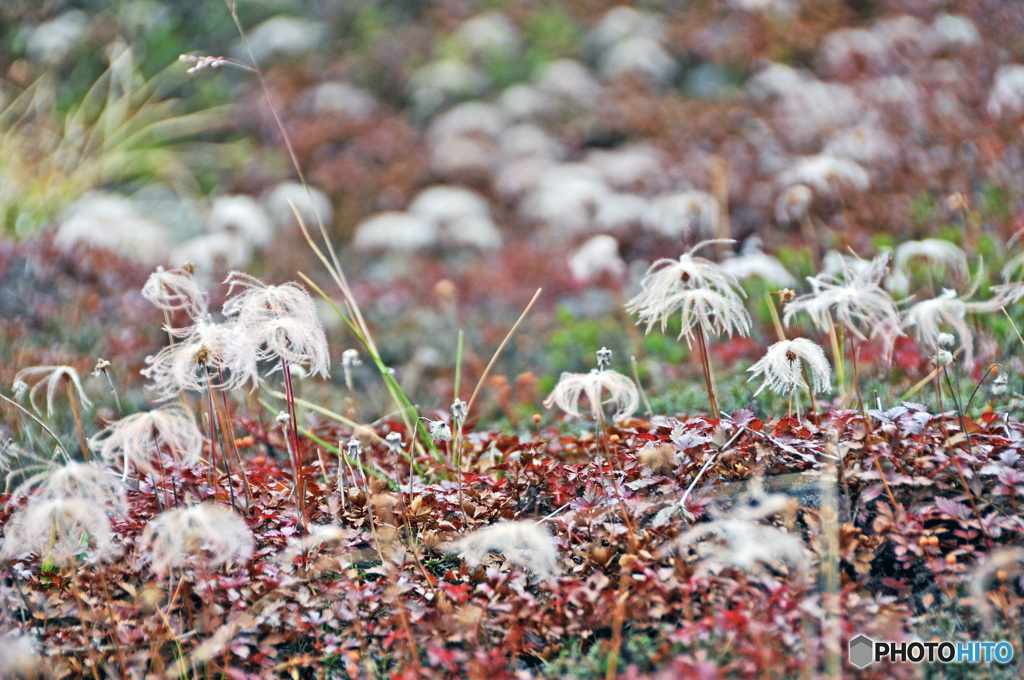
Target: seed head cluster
{"x":75,"y":480}
{"x":137,"y":439}
{"x":782,"y":367}
{"x":214,"y":355}
{"x":280,"y":318}
{"x":523,"y":543}
{"x":571,"y":387}
{"x":207,"y":536}
{"x":707,"y":297}
{"x":175,"y":290}
{"x":855,"y":300}
{"x":60,"y":530}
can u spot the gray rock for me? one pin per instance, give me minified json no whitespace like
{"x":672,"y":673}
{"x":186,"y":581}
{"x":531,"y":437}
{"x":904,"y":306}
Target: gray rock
{"x":639,"y":57}
{"x":345,"y":100}
{"x":396,"y":231}
{"x":283,"y":38}
{"x":490,"y":34}
{"x":277,"y":203}
{"x":243,"y":216}
{"x":53,"y":42}
{"x":115,"y":222}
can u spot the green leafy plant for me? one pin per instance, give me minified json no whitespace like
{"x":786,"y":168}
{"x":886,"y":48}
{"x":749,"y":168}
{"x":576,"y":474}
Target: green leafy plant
{"x":125,"y":131}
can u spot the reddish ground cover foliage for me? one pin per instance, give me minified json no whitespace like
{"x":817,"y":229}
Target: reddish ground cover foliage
{"x":786,"y":569}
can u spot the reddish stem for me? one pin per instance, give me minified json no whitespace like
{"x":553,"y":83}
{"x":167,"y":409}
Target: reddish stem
{"x":293,"y":438}
{"x":707,"y":373}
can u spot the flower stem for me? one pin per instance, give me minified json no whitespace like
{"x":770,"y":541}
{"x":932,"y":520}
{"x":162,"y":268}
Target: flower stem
{"x":715,"y":414}
{"x":617,"y":619}
{"x":457,"y":458}
{"x":78,"y":420}
{"x":956,"y":459}
{"x":610,"y":478}
{"x":856,"y":380}
{"x":113,"y":391}
{"x":293,"y":439}
{"x":838,"y":359}
{"x":229,"y":437}
{"x":213,"y":470}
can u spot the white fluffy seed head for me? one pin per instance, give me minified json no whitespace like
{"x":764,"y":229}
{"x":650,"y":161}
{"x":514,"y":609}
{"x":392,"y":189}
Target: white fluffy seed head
{"x":297,"y":341}
{"x":138,"y":439}
{"x":745,"y":545}
{"x":928,"y":318}
{"x":60,"y":530}
{"x":283,"y":318}
{"x":206,"y":536}
{"x":523,"y":543}
{"x":1003,"y":295}
{"x":855,"y":300}
{"x":703,"y":293}
{"x":1000,"y":384}
{"x":85,"y":481}
{"x":54,"y":378}
{"x":783,"y":364}
{"x":176,"y":289}
{"x":261,"y":301}
{"x":19,"y":657}
{"x":937,"y":252}
{"x":439,"y":431}
{"x":218,"y":355}
{"x":622,"y":393}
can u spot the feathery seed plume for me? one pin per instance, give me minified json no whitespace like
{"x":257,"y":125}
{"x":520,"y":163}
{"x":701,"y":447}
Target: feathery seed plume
{"x":85,"y":481}
{"x":206,"y":535}
{"x":928,"y":318}
{"x":53,"y":377}
{"x":297,"y":341}
{"x":701,"y":291}
{"x":19,"y":657}
{"x":743,"y":544}
{"x":524,"y":543}
{"x":783,"y":363}
{"x":856,"y":299}
{"x":936,"y":252}
{"x":176,"y":289}
{"x":59,"y":529}
{"x":282,"y":317}
{"x":571,"y":386}
{"x":138,"y":438}
{"x":219,"y":355}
